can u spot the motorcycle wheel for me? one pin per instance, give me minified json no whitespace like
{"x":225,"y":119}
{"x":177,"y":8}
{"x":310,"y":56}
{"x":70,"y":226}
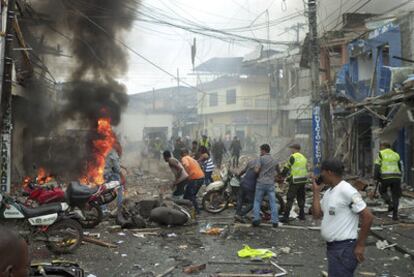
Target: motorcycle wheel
{"x":215,"y":201}
{"x":93,"y":215}
{"x":64,"y":237}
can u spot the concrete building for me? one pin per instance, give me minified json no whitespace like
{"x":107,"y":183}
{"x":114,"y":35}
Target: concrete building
{"x":237,"y":106}
{"x":159,"y":113}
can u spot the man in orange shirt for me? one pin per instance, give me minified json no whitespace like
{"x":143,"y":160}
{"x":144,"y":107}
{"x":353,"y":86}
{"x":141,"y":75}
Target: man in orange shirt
{"x":195,"y":178}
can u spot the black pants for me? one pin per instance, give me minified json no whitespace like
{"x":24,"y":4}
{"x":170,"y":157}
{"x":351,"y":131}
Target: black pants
{"x":235,"y":158}
{"x":395,"y":186}
{"x":295,"y":191}
{"x":180,"y":188}
{"x":246,"y":198}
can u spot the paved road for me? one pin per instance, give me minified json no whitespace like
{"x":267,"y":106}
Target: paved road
{"x":158,"y":253}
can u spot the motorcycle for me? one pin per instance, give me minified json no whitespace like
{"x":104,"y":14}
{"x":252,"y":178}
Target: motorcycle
{"x":220,"y":194}
{"x":52,"y":223}
{"x":90,"y":200}
{"x":90,"y":204}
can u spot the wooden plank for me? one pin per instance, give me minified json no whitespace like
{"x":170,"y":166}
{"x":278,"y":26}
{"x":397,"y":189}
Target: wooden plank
{"x":99,"y":242}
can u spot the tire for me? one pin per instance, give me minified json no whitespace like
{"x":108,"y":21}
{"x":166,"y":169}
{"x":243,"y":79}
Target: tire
{"x":70,"y":231}
{"x":93,"y":215}
{"x":215,"y":201}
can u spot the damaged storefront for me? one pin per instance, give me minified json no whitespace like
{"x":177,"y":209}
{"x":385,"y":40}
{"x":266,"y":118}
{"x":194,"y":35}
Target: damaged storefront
{"x":373,"y":100}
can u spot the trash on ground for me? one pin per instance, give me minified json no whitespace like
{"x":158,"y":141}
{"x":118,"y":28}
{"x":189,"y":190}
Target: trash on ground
{"x":215,"y":231}
{"x":383,"y":244}
{"x":194,"y":268}
{"x":172,"y":235}
{"x":248,"y":252}
{"x":99,"y":242}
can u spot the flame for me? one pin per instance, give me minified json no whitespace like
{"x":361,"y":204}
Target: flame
{"x":43,"y":177}
{"x":101,"y":148}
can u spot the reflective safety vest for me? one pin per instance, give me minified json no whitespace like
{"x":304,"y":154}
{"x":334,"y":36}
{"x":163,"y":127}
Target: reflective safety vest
{"x":205,"y":143}
{"x":298,"y":170}
{"x":388,"y":161}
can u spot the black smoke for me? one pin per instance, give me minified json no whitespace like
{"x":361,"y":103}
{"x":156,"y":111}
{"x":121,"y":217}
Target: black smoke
{"x":88,"y":30}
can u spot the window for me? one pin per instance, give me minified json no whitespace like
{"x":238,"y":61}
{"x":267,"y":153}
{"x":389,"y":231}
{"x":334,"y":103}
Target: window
{"x":304,"y":126}
{"x":231,"y":96}
{"x":213,"y":99}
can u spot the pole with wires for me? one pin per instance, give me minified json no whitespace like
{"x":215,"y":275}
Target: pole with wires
{"x":6,"y":96}
{"x":316,"y":97}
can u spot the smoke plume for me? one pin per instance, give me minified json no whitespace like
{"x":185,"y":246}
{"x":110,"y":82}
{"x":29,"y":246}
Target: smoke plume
{"x":88,"y":30}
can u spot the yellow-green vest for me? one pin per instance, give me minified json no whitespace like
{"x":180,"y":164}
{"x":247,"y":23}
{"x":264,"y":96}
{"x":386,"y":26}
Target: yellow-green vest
{"x":206,"y":143}
{"x":298,"y":170}
{"x":388,"y":160}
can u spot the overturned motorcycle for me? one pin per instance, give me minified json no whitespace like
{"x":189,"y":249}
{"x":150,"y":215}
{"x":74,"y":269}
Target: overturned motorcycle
{"x":54,"y":224}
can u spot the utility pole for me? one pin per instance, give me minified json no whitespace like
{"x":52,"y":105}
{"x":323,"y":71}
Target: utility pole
{"x":316,"y":98}
{"x":6,"y":95}
{"x":178,"y":114}
{"x":297,"y":28}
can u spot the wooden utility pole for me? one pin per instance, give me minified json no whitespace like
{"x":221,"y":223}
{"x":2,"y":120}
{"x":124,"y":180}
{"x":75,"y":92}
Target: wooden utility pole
{"x":6,"y":95}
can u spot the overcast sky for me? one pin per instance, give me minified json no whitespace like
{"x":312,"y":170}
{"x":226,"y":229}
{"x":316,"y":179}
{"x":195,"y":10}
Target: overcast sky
{"x":170,"y":47}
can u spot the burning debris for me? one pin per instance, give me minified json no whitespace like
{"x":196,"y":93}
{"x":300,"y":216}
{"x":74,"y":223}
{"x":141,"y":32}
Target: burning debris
{"x":92,"y":99}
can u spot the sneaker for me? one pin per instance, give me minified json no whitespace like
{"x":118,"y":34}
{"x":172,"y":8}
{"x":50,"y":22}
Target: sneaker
{"x":275,"y":225}
{"x":256,"y":223}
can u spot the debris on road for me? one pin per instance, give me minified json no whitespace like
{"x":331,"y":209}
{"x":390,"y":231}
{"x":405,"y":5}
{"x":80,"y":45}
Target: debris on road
{"x":194,"y":268}
{"x":383,"y":244}
{"x":168,"y":271}
{"x":248,"y":252}
{"x":99,"y":242}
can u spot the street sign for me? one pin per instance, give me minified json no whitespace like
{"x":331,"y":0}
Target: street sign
{"x":316,"y":139}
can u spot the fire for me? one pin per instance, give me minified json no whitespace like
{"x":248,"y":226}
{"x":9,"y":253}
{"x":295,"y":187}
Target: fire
{"x":43,"y":177}
{"x":101,"y":148}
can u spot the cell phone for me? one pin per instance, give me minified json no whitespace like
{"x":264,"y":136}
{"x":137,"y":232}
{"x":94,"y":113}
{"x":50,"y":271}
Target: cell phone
{"x":319,"y":180}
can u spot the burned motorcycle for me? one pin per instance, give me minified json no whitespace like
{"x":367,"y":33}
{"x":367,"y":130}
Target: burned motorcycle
{"x":52,"y":223}
{"x":90,"y":200}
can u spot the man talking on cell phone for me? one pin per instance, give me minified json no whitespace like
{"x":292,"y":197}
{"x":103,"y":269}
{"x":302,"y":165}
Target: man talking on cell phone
{"x":341,"y":209}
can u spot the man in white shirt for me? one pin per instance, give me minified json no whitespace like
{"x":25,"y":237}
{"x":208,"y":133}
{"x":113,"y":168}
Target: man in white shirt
{"x":341,"y":209}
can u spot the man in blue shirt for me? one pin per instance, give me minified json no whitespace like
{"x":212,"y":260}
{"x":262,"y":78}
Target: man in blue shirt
{"x":246,"y":192}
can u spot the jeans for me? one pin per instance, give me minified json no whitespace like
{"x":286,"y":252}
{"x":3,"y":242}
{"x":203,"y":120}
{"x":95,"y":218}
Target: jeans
{"x":341,"y":258}
{"x":261,"y":190}
{"x":208,"y":179}
{"x":191,"y":192}
{"x":244,"y":197}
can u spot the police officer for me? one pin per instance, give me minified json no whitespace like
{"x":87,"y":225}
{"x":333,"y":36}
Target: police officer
{"x":388,"y":172}
{"x":205,"y":142}
{"x":297,"y":167}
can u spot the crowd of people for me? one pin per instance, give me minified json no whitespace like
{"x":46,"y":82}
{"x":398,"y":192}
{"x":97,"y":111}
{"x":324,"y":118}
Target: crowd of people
{"x":342,"y":208}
